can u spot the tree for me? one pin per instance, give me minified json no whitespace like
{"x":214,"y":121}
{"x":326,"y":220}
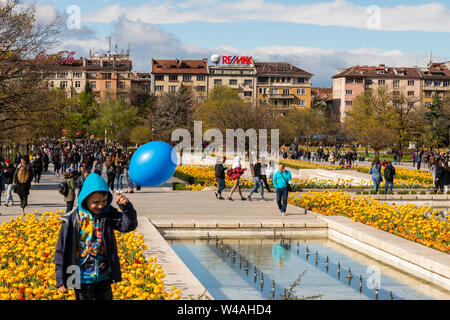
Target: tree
{"x":369,"y":119}
{"x":174,"y":110}
{"x":22,"y":81}
{"x":141,"y":135}
{"x":114,"y":117}
{"x":438,"y":117}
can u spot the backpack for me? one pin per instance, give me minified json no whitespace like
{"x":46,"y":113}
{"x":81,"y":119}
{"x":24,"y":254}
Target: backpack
{"x":389,"y":173}
{"x":63,"y":188}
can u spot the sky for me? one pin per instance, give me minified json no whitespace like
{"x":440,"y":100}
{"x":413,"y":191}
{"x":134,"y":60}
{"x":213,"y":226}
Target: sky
{"x":317,"y":36}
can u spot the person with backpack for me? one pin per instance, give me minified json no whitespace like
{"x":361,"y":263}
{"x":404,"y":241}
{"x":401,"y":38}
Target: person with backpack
{"x":281,"y":183}
{"x":389,"y":173}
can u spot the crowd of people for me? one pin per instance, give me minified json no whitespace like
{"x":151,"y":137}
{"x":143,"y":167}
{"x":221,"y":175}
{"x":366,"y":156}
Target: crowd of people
{"x":321,"y":154}
{"x":73,"y":161}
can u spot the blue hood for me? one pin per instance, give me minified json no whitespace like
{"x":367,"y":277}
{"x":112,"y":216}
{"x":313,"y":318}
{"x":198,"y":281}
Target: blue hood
{"x":94,"y":183}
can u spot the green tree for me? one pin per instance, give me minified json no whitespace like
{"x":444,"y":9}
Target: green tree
{"x":438,"y":117}
{"x":113,"y":118}
{"x":141,"y":135}
{"x":370,"y":118}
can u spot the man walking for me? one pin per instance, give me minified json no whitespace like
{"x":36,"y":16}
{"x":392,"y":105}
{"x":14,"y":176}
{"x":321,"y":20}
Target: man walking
{"x":257,"y":180}
{"x":281,"y":183}
{"x":220,"y":177}
{"x":389,"y":173}
{"x":8,"y":173}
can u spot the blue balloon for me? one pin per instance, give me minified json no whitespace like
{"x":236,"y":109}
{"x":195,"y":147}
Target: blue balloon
{"x":153,"y":164}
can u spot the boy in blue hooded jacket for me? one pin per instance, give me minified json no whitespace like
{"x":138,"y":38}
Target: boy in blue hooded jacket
{"x":86,"y":242}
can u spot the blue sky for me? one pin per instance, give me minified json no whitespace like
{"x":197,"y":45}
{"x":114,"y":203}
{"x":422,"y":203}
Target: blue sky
{"x":318,"y":36}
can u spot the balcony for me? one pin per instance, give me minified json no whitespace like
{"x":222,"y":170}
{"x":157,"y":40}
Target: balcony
{"x":281,"y":96}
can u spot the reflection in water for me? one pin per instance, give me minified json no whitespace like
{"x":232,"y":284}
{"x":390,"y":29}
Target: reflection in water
{"x":280,"y":254}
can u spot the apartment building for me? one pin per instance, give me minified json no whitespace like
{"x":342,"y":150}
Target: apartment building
{"x":169,"y":75}
{"x":239,"y":77}
{"x":435,"y":79}
{"x":71,"y":78}
{"x":353,"y":81}
{"x":282,"y":85}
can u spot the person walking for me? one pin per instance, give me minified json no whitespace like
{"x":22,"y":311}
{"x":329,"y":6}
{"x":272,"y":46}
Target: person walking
{"x":375,"y":171}
{"x":69,"y":197}
{"x":419,"y":160}
{"x":22,"y":181}
{"x":281,"y":183}
{"x":271,"y":169}
{"x":2,"y":183}
{"x":264,"y":169}
{"x":235,"y":174}
{"x":219,"y":170}
{"x":413,"y":157}
{"x":110,"y":172}
{"x":257,"y":180}
{"x":8,"y":172}
{"x":38,"y":166}
{"x":389,"y":173}
{"x":120,"y":167}
{"x":439,"y":176}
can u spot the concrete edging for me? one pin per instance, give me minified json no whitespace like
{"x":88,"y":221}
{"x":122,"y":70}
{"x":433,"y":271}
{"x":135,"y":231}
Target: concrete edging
{"x":177,"y":273}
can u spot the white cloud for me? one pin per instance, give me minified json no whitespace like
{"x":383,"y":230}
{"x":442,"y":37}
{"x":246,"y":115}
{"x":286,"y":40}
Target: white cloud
{"x":427,"y":17}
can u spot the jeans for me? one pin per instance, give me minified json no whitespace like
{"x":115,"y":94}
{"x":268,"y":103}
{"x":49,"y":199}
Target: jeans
{"x":9,"y":198}
{"x":376,"y":184}
{"x":282,"y":193}
{"x":258,"y":184}
{"x":94,"y":291}
{"x":387,"y":183}
{"x":69,"y":205}
{"x":119,"y":184}
{"x":221,"y":186}
{"x":110,"y":182}
{"x":129,"y":181}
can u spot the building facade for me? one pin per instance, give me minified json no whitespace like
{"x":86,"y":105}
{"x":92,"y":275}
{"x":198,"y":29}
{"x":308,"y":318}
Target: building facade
{"x":282,"y":85}
{"x":239,"y":77}
{"x":435,"y":79}
{"x":169,"y":75}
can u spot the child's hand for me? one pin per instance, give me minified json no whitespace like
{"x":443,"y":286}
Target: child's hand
{"x":121,"y":199}
{"x":62,"y":289}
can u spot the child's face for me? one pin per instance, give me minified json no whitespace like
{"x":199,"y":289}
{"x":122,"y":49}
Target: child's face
{"x":96,"y":202}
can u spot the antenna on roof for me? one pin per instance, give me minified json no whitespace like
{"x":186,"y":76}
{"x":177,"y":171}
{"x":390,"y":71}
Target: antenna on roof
{"x":430,"y":59}
{"x":129,"y":49}
{"x":109,"y":45}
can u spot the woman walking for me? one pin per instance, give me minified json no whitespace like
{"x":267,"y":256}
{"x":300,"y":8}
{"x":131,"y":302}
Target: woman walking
{"x":69,"y":198}
{"x":235,"y":174}
{"x":375,"y":171}
{"x":22,"y":181}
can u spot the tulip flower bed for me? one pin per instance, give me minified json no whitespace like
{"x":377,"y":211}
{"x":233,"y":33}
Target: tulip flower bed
{"x":27,"y":269}
{"x":416,"y":176}
{"x":407,"y":221}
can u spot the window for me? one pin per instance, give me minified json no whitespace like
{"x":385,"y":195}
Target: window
{"x":437,"y":83}
{"x":93,"y":76}
{"x":187,"y":78}
{"x":446,"y":83}
{"x":301,"y":80}
{"x":201,"y":99}
{"x":410,"y":82}
{"x":381,"y":82}
{"x":63,"y":84}
{"x":159,"y":77}
{"x":349,"y":80}
{"x":201,"y":78}
{"x":217,"y":82}
{"x":247,"y":93}
{"x":144,"y":87}
{"x":173,"y":78}
{"x":411,"y":93}
{"x":121,"y":84}
{"x":93,"y":84}
{"x":108,"y":85}
{"x":286,"y":92}
{"x":349,"y":92}
{"x":274,"y":91}
{"x":428,"y":94}
{"x":368,"y":82}
{"x":248,"y":82}
{"x":63,"y":75}
{"x":301,"y":92}
{"x":201,"y":88}
{"x":159,"y":88}
{"x":396,"y":83}
{"x":359,"y":80}
{"x":301,"y":103}
{"x":173,"y":88}
{"x":262,"y":90}
{"x":428,"y":83}
{"x":233,"y":82}
{"x":77,"y":84}
{"x":263,"y":79}
{"x":107,"y":76}
{"x":77,"y":74}
{"x":348,"y":103}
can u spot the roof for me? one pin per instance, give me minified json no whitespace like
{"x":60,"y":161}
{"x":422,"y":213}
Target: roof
{"x":180,"y":66}
{"x":325,"y":94}
{"x":276,"y":68}
{"x":374,"y":71}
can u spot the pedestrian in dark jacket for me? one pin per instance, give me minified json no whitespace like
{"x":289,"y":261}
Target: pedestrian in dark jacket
{"x":257,"y":179}
{"x":22,"y":180}
{"x":8,"y":172}
{"x":219,"y":169}
{"x":86,"y":240}
{"x":439,"y":179}
{"x":389,"y":173}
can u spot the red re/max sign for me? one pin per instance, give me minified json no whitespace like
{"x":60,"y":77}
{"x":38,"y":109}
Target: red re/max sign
{"x":236,"y":60}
